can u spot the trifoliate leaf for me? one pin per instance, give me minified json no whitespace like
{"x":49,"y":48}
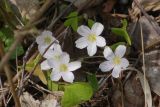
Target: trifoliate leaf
{"x":74,"y":25}
{"x":76,"y":93}
{"x":123,"y":33}
{"x":50,"y":84}
{"x":93,"y":81}
{"x":72,"y":14}
{"x":72,"y":20}
{"x":90,"y":22}
{"x":6,"y":35}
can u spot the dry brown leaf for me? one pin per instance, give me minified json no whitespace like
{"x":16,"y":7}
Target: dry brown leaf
{"x":149,"y":5}
{"x":27,"y":8}
{"x":146,"y":88}
{"x":27,"y":100}
{"x":133,"y":93}
{"x":150,"y":36}
{"x":153,"y":70}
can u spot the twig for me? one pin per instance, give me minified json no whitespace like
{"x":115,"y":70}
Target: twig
{"x":4,"y":101}
{"x":9,"y":78}
{"x":143,"y":67}
{"x":56,"y":93}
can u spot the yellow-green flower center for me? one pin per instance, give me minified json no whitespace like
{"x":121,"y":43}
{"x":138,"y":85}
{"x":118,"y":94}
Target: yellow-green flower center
{"x":57,"y":57}
{"x":116,"y":60}
{"x":92,"y":38}
{"x":63,"y":68}
{"x":47,"y":40}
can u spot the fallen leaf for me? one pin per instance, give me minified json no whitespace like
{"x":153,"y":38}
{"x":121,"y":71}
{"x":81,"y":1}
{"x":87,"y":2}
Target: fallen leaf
{"x":27,"y":100}
{"x":37,"y":72}
{"x":146,"y":89}
{"x":150,"y":36}
{"x":152,"y":60}
{"x":133,"y":93}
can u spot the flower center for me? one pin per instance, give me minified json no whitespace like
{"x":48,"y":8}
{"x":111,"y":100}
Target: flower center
{"x":57,"y":57}
{"x":116,"y":60}
{"x":63,"y":68}
{"x":92,"y":38}
{"x":47,"y":40}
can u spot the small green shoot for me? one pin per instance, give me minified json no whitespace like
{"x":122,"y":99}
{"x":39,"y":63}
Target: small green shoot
{"x":122,"y":31}
{"x":72,"y":20}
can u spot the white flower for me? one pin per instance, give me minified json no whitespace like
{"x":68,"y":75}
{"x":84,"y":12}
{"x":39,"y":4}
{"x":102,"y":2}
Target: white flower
{"x":52,"y":55}
{"x":91,"y":38}
{"x":63,"y":68}
{"x":45,"y":65}
{"x":44,"y":40}
{"x":115,"y":60}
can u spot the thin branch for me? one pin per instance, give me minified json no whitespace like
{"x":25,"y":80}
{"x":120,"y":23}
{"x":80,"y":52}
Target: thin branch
{"x":9,"y":77}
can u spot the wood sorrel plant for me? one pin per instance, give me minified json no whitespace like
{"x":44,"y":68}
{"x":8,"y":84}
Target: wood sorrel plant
{"x":58,"y":61}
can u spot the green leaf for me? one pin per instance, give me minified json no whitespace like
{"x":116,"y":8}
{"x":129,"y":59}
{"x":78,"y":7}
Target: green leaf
{"x":74,"y":25}
{"x":76,"y":93}
{"x":72,"y":14}
{"x":72,"y":20}
{"x":18,"y":51}
{"x":51,"y":85}
{"x":7,"y":6}
{"x":114,"y":46}
{"x":5,"y":33}
{"x":6,"y":36}
{"x":90,"y":22}
{"x":122,"y":32}
{"x":124,"y":22}
{"x":93,"y":81}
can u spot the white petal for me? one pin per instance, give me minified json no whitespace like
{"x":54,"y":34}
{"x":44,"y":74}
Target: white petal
{"x":49,"y":54}
{"x":41,"y":49}
{"x":45,"y":66}
{"x":83,"y":30}
{"x":108,"y":53}
{"x":97,"y":28}
{"x":57,"y":47}
{"x":53,"y":64}
{"x":81,"y":43}
{"x":101,"y":42}
{"x":116,"y":71}
{"x":40,"y":40}
{"x":120,"y":51}
{"x":65,"y":58}
{"x":46,"y":32}
{"x":106,"y":66}
{"x":72,"y":66}
{"x":92,"y":49}
{"x":52,"y":54}
{"x":124,"y":63}
{"x":68,"y":76}
{"x":55,"y":76}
